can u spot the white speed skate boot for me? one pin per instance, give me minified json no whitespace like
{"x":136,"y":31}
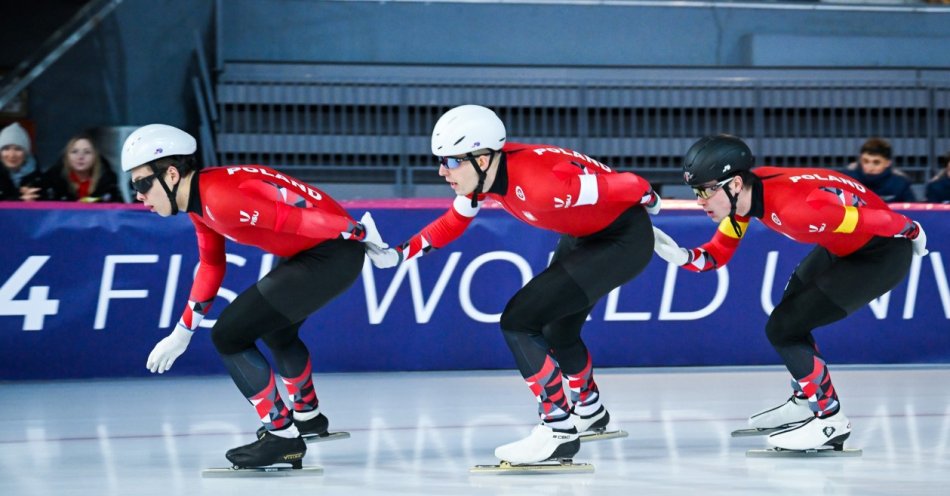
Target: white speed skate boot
{"x":793,"y":411}
{"x":544,"y":443}
{"x":788,"y":414}
{"x":815,"y":433}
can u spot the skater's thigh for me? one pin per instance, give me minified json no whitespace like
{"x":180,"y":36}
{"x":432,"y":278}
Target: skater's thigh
{"x":306,"y":282}
{"x":548,"y":297}
{"x":853,"y":281}
{"x":816,"y":262}
{"x":603,"y":261}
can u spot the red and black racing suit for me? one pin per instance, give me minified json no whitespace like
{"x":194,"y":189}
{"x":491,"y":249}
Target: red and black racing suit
{"x":262,"y":207}
{"x":607,"y":239}
{"x":861,"y":253}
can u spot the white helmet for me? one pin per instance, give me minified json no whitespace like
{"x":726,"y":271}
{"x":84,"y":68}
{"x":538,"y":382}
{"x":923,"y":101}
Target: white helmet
{"x":153,"y":142}
{"x":466,"y":129}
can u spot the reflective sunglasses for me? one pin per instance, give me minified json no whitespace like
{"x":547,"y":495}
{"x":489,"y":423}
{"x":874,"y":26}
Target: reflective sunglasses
{"x":707,"y":192}
{"x":454,"y":163}
{"x":143,"y":184}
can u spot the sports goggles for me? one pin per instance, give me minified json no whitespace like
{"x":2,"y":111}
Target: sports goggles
{"x":707,"y":192}
{"x":454,"y":163}
{"x":143,"y":184}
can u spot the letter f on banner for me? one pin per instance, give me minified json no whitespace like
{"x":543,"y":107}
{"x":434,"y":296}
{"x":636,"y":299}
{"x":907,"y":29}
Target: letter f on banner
{"x":106,"y":292}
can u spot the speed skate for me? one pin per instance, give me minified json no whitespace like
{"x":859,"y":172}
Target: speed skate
{"x":546,"y":450}
{"x":317,"y":437}
{"x":759,"y":431}
{"x":601,"y":435}
{"x":326,"y":436}
{"x":268,"y":456}
{"x":817,"y":436}
{"x":593,"y":427}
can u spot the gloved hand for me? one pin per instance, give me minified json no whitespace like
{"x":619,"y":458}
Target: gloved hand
{"x":168,"y":350}
{"x":652,"y":202}
{"x":915,"y":233}
{"x":668,"y":250}
{"x":372,"y":237}
{"x":384,"y":258}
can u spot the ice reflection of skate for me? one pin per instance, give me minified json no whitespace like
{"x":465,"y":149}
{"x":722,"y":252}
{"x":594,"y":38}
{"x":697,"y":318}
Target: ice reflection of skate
{"x":816,"y":437}
{"x":545,"y":450}
{"x":272,"y":471}
{"x":838,"y":450}
{"x":563,"y":465}
{"x":593,"y":427}
{"x":267,"y":456}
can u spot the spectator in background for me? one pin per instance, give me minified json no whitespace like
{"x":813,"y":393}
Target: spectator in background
{"x":874,"y":170}
{"x":82,"y":175}
{"x":19,"y":177}
{"x":938,"y":189}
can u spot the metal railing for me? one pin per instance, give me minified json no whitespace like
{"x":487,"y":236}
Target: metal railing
{"x":82,"y":23}
{"x":372,"y":124}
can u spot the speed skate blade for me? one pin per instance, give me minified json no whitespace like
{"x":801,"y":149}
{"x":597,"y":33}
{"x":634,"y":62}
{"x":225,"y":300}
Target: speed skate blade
{"x":552,"y":467}
{"x":601,"y":436}
{"x":810,"y":453}
{"x":329,"y":436}
{"x":755,"y":432}
{"x":263,"y":472}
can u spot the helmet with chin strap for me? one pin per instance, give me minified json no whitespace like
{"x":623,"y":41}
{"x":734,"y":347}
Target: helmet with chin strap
{"x":149,"y":143}
{"x":717,"y":158}
{"x":464,"y":130}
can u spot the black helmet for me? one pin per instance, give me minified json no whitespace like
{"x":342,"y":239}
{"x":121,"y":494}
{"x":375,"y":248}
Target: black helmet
{"x":714,"y":158}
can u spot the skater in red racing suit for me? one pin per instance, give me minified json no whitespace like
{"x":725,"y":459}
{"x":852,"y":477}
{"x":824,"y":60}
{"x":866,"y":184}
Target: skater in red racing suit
{"x":863,"y":249}
{"x":262,"y":207}
{"x":606,"y":240}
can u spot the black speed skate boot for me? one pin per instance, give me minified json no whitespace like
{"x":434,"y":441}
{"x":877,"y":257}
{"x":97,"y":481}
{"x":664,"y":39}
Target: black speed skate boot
{"x":594,"y":422}
{"x":268,"y":450}
{"x":315,"y":427}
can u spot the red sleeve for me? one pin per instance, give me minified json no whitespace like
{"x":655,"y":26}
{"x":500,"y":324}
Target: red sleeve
{"x":719,"y":250}
{"x":211,"y":268}
{"x":443,"y":230}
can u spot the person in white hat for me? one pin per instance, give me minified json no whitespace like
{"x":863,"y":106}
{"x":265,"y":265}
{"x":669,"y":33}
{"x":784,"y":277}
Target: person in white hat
{"x":20,"y":179}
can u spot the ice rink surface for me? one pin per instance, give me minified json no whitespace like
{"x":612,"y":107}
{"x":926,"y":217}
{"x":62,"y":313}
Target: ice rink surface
{"x":419,"y":433}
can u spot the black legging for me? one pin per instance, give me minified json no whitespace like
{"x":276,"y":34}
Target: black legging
{"x":825,"y":288}
{"x":274,"y":309}
{"x":548,"y":313}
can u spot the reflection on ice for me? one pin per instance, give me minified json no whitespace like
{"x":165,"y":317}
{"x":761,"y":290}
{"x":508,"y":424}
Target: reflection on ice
{"x":419,"y":433}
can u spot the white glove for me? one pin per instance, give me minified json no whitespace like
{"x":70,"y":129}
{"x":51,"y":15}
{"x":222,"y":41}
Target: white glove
{"x":920,"y":242}
{"x":168,"y":350}
{"x":383,"y":258}
{"x":668,"y":250}
{"x":651,"y":202}
{"x":372,"y":238}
